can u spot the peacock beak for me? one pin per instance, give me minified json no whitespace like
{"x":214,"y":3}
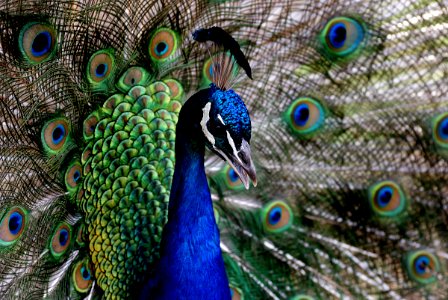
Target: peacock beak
{"x":241,"y":162}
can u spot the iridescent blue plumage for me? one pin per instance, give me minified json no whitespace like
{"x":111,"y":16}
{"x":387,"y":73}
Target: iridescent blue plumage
{"x":229,"y":106}
{"x":191,"y":259}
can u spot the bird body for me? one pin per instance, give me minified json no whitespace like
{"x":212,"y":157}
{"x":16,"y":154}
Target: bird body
{"x":349,"y":130}
{"x":191,"y":258}
{"x":190,"y":255}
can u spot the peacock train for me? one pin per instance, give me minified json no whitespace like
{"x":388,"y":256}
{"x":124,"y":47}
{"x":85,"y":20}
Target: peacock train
{"x":223,"y":149}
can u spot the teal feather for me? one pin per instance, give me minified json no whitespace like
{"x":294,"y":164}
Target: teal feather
{"x":348,"y":105}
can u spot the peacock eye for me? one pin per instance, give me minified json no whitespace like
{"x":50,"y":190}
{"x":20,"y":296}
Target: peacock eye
{"x":342,"y":36}
{"x":60,"y":240}
{"x":99,"y":68}
{"x":54,"y":134}
{"x":305,"y":116}
{"x":12,"y":226}
{"x":161,"y":48}
{"x":276,"y":216}
{"x":132,"y":77}
{"x":163,"y":43}
{"x":207,"y":71}
{"x":219,"y":129}
{"x":37,"y":42}
{"x":387,"y":199}
{"x":213,"y":65}
{"x":422,"y":266}
{"x":176,"y":88}
{"x":89,"y":126}
{"x":58,"y":134}
{"x":82,"y":276}
{"x":440,"y":130}
{"x":231,"y":179}
{"x":73,"y":176}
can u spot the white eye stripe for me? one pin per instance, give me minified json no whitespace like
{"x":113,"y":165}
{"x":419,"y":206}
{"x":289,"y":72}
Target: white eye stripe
{"x":222,"y":121}
{"x":205,"y":118}
{"x":232,"y":144}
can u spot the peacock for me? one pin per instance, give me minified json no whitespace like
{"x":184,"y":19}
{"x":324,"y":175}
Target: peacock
{"x":344,"y":104}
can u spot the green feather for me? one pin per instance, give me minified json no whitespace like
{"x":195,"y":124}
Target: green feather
{"x":349,"y":107}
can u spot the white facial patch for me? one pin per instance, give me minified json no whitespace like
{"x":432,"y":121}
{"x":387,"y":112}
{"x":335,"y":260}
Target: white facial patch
{"x":222,"y":121}
{"x":205,"y":118}
{"x":232,"y":144}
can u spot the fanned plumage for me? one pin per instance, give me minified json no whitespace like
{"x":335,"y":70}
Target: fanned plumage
{"x":349,"y":112}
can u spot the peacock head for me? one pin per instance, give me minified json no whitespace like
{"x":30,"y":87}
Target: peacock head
{"x":227,"y":130}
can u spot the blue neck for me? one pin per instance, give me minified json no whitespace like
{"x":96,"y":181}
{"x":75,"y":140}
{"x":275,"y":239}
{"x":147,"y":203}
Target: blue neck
{"x":191,"y":264}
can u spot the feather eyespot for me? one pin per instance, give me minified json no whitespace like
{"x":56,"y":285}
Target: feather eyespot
{"x":89,"y":126}
{"x":55,"y":134}
{"x":100,"y":67}
{"x":132,"y":77}
{"x":82,"y":276}
{"x":175,"y":87}
{"x":12,"y":225}
{"x":305,"y":116}
{"x":422,"y":266}
{"x":342,"y":36}
{"x":60,"y":240}
{"x":276,"y":216}
{"x":207,"y":70}
{"x":219,"y":64}
{"x":231,"y":179}
{"x":163,"y":43}
{"x":387,"y":199}
{"x":73,"y":176}
{"x":37,"y":42}
{"x":235,"y":293}
{"x":440,"y":130}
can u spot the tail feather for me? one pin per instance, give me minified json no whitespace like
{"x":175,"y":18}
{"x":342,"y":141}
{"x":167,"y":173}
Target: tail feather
{"x":378,"y":106}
